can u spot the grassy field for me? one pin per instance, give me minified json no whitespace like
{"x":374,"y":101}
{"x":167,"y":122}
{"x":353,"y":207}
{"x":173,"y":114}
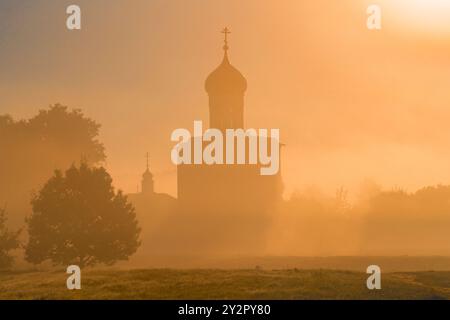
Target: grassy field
{"x":223,"y":284}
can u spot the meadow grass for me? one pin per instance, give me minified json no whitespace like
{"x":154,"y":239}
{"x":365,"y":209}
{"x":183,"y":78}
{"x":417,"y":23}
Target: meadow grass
{"x":223,"y":284}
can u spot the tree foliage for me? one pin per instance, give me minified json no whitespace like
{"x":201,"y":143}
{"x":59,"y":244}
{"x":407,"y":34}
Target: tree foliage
{"x":79,"y":219}
{"x":9,"y":241}
{"x":32,"y":149}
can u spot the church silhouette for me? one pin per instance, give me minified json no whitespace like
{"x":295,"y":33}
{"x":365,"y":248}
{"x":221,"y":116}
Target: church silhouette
{"x":221,"y":208}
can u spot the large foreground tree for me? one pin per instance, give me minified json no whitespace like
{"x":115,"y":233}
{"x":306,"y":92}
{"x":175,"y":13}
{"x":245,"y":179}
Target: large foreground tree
{"x":9,"y":241}
{"x":79,"y":219}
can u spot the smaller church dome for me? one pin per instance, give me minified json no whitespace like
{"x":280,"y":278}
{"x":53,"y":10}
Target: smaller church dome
{"x":147,"y":174}
{"x":147,"y":181}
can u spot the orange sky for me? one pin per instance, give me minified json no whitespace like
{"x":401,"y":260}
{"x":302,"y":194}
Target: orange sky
{"x":351,"y":104}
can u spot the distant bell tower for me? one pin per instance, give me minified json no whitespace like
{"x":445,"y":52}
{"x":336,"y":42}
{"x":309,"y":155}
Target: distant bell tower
{"x":147,"y":181}
{"x":226,"y":88}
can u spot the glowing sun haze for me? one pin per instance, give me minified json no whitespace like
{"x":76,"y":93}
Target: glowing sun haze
{"x":424,"y":15}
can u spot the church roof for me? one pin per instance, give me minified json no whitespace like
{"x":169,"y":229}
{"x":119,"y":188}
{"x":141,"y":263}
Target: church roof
{"x":147,"y":173}
{"x":226,"y":78}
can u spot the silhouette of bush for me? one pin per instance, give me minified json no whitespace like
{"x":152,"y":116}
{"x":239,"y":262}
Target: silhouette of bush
{"x":79,"y":219}
{"x":8,"y":241}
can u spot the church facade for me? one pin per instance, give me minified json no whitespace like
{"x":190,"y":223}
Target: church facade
{"x":221,"y":207}
{"x":227,"y":187}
